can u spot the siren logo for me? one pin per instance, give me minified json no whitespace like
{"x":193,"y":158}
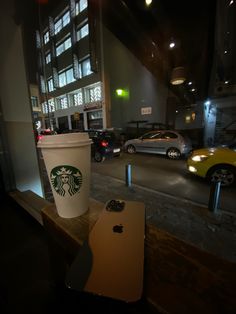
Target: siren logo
{"x":66,"y":180}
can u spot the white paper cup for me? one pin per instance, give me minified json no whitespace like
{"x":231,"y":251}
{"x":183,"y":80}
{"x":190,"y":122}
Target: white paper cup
{"x":67,"y":159}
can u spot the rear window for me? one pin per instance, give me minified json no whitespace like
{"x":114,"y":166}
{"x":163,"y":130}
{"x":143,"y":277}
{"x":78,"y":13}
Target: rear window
{"x":169,"y":135}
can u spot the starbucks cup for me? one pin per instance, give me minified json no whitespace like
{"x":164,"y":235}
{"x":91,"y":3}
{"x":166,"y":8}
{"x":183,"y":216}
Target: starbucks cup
{"x":67,"y":160}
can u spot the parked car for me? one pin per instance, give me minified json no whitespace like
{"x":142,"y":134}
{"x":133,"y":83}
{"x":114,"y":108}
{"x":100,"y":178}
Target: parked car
{"x":105,"y":144}
{"x":214,"y":164}
{"x":167,"y":142}
{"x":45,"y":132}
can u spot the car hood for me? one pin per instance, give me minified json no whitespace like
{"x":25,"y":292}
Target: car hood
{"x":210,"y":151}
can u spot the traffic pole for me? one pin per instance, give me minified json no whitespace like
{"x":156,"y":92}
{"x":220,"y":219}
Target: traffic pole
{"x":128,"y":175}
{"x":214,"y":196}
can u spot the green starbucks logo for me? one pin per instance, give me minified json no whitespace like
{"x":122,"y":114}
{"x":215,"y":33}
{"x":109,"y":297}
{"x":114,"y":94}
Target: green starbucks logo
{"x":66,"y":180}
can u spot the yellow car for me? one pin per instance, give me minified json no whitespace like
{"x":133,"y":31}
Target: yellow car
{"x":214,"y":164}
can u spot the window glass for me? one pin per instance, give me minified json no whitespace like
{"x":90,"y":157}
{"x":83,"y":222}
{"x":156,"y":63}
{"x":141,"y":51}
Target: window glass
{"x":45,"y":107}
{"x":62,"y":79}
{"x":66,"y":19}
{"x":84,"y":31}
{"x":63,"y":103}
{"x":50,"y":85}
{"x":46,"y":37}
{"x":78,"y":98}
{"x":77,"y":8}
{"x":59,"y":49}
{"x":67,"y":43}
{"x":48,"y":58}
{"x":51,"y":105}
{"x":69,"y":76}
{"x":151,"y":135}
{"x":58,"y":26}
{"x":167,"y":135}
{"x":34,"y":101}
{"x":95,"y":115}
{"x":95,"y":94}
{"x":83,"y":5}
{"x":86,"y":69}
{"x":63,"y":46}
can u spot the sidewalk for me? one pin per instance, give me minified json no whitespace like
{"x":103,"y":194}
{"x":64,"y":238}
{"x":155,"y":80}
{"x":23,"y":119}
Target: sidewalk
{"x":188,"y":221}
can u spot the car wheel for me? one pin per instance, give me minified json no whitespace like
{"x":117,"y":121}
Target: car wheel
{"x":98,"y":157}
{"x":173,"y":153}
{"x":131,"y":149}
{"x":225,"y":174}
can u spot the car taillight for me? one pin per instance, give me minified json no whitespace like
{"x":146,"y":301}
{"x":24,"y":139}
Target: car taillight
{"x":104,"y":143}
{"x":39,"y":137}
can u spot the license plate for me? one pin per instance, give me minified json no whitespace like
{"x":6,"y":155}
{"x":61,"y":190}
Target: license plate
{"x":116,"y":150}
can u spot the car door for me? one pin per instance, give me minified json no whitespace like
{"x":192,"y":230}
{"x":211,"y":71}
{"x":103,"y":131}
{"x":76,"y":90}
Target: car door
{"x":168,"y":140}
{"x":147,"y":142}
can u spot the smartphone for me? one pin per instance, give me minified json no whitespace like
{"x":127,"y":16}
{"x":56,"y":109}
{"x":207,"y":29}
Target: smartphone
{"x":110,"y":263}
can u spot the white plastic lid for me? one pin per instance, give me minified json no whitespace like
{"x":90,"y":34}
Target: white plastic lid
{"x":64,"y":140}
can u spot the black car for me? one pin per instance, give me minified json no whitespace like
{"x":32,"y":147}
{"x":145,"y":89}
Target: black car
{"x":105,"y":144}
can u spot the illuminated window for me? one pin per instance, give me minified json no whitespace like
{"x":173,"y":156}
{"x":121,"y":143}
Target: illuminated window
{"x":34,"y":101}
{"x":50,"y":85}
{"x":58,"y":26}
{"x":66,"y":77}
{"x":86,"y":68}
{"x":62,"y":22}
{"x":95,"y":94}
{"x":66,"y":44}
{"x":78,"y":98}
{"x":83,"y":32}
{"x":83,"y":4}
{"x":66,"y":19}
{"x":46,"y":37}
{"x":48,"y":58}
{"x":51,"y":105}
{"x":62,"y":103}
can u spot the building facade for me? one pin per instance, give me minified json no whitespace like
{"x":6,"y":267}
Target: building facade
{"x":88,"y":78}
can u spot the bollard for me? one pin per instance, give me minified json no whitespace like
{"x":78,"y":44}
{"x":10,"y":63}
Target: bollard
{"x":128,"y":175}
{"x":214,"y":196}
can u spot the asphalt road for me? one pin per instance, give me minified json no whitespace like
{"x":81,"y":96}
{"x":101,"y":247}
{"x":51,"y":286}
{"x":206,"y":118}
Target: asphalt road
{"x":168,"y":176}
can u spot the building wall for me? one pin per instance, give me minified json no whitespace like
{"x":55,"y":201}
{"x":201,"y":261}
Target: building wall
{"x":123,"y":70}
{"x":16,"y":106}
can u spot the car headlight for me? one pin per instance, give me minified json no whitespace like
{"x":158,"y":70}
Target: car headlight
{"x":199,"y":157}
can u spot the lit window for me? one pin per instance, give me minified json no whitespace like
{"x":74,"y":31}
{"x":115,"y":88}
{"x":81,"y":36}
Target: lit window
{"x":62,"y":79}
{"x":58,"y":26}
{"x":63,"y":46}
{"x":66,"y":77}
{"x":45,"y":107}
{"x":86,"y":68}
{"x":78,"y":99}
{"x":46,"y":37}
{"x":63,"y":103}
{"x":69,"y":76}
{"x":48,"y":58}
{"x":59,"y":49}
{"x":95,"y":94}
{"x":51,"y":105}
{"x":50,"y":85}
{"x":34,"y":101}
{"x":66,"y":19}
{"x":67,"y":43}
{"x":82,"y":32}
{"x":83,"y":5}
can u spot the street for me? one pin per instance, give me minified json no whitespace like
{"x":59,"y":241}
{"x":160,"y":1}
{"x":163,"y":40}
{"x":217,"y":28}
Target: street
{"x":158,"y":173}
